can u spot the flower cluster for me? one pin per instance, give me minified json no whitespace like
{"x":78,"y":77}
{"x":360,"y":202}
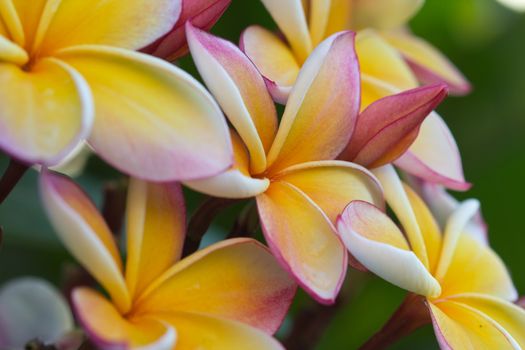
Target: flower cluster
{"x":357,"y":92}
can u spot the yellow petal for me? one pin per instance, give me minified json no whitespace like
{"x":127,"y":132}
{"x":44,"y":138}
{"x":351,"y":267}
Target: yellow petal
{"x":153,"y":120}
{"x":236,"y":279}
{"x":108,"y":329}
{"x":427,"y":62}
{"x":198,"y":331}
{"x":460,"y":327}
{"x":476,"y":268}
{"x":321,"y":112}
{"x":156,"y":227}
{"x":291,"y":19}
{"x":384,"y":14}
{"x":334,"y":184}
{"x":120,"y":23}
{"x":11,"y":52}
{"x":44,"y":113}
{"x":376,"y":242}
{"x":319,"y":16}
{"x":235,"y":182}
{"x":340,"y":16}
{"x":84,"y":232}
{"x":239,"y":89}
{"x":303,"y":239}
{"x":273,"y":58}
{"x":378,"y":60}
{"x":13,"y":21}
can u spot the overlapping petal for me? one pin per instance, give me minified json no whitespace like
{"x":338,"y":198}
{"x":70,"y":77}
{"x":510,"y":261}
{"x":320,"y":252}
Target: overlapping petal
{"x":386,"y":129}
{"x":322,"y":107}
{"x":45,"y":113}
{"x":434,"y":156}
{"x":239,"y":89}
{"x":156,"y":227}
{"x":429,"y":65}
{"x":86,"y":235}
{"x":153,"y":120}
{"x":384,"y":14}
{"x":11,"y":52}
{"x":235,"y":279}
{"x":303,"y":239}
{"x":16,"y":23}
{"x":333,"y":184}
{"x":380,"y":246}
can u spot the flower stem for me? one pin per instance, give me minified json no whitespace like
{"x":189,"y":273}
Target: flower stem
{"x":247,"y":223}
{"x":201,"y":221}
{"x":12,"y":175}
{"x":411,"y":315}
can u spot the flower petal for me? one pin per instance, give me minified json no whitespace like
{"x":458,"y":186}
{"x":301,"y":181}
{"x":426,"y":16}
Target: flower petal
{"x":235,"y":182}
{"x":429,"y":65}
{"x":32,"y":308}
{"x":384,"y":14}
{"x":45,"y":113}
{"x":290,"y":17}
{"x":13,"y":22}
{"x":380,"y":246}
{"x":333,"y":184}
{"x":84,"y":232}
{"x":200,"y":331}
{"x":156,"y":227}
{"x":322,"y":109}
{"x":386,"y":129}
{"x":108,"y":329}
{"x":12,"y":53}
{"x":202,"y":14}
{"x":235,"y":279}
{"x":380,"y":61}
{"x":273,"y":58}
{"x":120,"y":23}
{"x":153,"y":120}
{"x":476,"y":268}
{"x":425,"y":161}
{"x":460,"y":327}
{"x":239,"y":89}
{"x":304,"y":240}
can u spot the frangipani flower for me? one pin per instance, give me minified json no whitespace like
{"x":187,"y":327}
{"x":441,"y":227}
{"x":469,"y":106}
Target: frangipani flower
{"x":383,"y":56}
{"x":231,"y":295}
{"x":290,"y":168}
{"x":68,"y":72}
{"x":468,"y":290}
{"x":202,"y":14}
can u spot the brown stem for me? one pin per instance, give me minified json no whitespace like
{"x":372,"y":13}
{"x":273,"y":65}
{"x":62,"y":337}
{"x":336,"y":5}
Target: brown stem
{"x":411,"y":315}
{"x":12,"y":175}
{"x":201,"y":221}
{"x":247,"y":223}
{"x":114,"y":206}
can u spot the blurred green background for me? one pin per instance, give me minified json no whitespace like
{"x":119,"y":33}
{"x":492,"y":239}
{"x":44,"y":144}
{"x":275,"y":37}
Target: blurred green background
{"x":485,"y":40}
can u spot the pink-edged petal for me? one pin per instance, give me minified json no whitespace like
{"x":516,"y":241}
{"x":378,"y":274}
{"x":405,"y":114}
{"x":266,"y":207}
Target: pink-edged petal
{"x":202,"y":14}
{"x":235,"y":182}
{"x":109,"y":329}
{"x":273,"y":58}
{"x":291,"y":20}
{"x":239,"y":89}
{"x":386,"y":128}
{"x":434,"y":156}
{"x":44,"y":113}
{"x":31,"y":308}
{"x":381,"y":247}
{"x":236,"y":279}
{"x":322,"y":109}
{"x":427,"y":63}
{"x":384,"y":14}
{"x":153,"y":120}
{"x":84,"y":232}
{"x":156,"y":228}
{"x":303,"y":239}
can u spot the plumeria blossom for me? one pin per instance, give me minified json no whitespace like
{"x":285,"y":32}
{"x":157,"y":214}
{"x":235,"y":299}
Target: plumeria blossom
{"x":32,"y":309}
{"x":290,"y":168}
{"x":69,"y":72}
{"x":231,"y":295}
{"x":390,"y":59}
{"x":468,"y":290}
